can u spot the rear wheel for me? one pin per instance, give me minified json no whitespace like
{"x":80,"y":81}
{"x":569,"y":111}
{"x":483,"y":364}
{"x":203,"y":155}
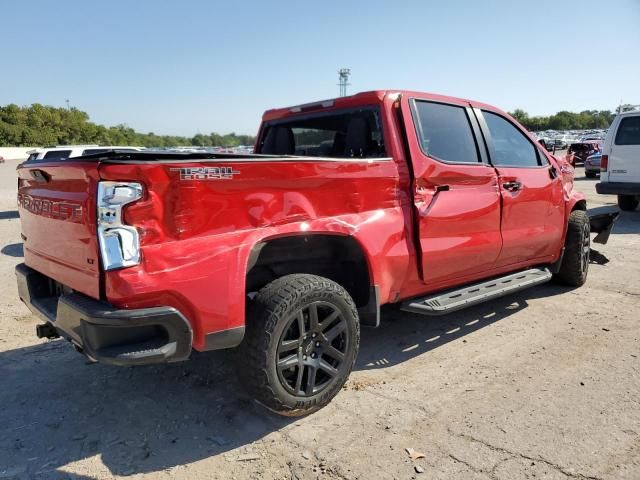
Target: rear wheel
{"x":590,"y":174}
{"x":628,"y":203}
{"x":575,"y":262}
{"x":300,"y":345}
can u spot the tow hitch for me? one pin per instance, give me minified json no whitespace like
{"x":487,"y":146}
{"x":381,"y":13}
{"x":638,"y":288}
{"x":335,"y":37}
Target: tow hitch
{"x":601,"y":220}
{"x":46,"y":330}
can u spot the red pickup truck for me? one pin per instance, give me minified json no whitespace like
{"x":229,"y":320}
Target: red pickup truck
{"x":431,"y":202}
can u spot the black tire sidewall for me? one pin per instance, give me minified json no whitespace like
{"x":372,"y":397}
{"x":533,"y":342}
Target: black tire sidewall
{"x":628,"y":203}
{"x":322,"y":397}
{"x":572,"y":271}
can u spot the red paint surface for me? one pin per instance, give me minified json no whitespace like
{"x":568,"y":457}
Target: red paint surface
{"x":196,"y":236}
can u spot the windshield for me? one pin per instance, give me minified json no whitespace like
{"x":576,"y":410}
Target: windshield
{"x":353,"y":133}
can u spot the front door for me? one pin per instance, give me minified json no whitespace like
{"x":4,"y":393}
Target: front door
{"x":456,"y":197}
{"x":531,"y":189}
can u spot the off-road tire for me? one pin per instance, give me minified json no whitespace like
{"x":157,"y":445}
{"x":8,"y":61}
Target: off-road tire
{"x":575,"y":262}
{"x":590,"y":174}
{"x":275,"y":310}
{"x":628,"y":203}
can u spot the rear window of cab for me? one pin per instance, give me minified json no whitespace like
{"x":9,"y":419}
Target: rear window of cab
{"x":349,"y":133}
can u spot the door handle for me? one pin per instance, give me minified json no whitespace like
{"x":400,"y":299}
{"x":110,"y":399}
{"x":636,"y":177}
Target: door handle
{"x":512,"y":186}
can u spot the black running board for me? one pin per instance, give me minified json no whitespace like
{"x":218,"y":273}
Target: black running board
{"x":452,"y":300}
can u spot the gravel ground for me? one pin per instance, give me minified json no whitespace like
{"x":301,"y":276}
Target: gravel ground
{"x":541,"y":384}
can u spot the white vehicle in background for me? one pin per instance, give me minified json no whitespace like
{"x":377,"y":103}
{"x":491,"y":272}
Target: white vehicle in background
{"x":620,"y":162}
{"x":68,"y":151}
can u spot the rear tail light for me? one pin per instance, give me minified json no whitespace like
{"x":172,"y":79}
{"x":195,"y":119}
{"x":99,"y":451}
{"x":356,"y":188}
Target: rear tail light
{"x":604,"y":163}
{"x":119,"y":243}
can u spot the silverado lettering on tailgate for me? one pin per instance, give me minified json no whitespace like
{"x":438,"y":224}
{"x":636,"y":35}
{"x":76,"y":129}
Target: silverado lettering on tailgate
{"x":206,"y":173}
{"x":59,"y":210}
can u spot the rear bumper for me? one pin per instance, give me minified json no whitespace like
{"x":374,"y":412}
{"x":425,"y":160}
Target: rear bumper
{"x":618,"y":188}
{"x":104,"y":333}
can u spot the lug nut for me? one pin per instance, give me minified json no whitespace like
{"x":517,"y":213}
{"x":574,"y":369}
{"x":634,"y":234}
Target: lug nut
{"x":317,"y":344}
{"x":313,"y":355}
{"x":304,"y":357}
{"x":313,"y":335}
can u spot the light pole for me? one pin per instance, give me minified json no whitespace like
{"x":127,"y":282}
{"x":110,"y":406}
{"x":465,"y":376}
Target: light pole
{"x":343,"y":77}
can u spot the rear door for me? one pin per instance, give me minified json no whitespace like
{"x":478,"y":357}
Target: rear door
{"x":624,"y":158}
{"x":56,"y":202}
{"x":456,"y":198}
{"x":531,"y":189}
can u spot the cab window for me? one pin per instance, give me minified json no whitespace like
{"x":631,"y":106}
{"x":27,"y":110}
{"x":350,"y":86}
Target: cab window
{"x":444,"y":132}
{"x":509,"y":146}
{"x":353,"y":133}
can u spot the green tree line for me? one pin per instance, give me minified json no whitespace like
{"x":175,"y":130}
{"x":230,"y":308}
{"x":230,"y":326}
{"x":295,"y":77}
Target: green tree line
{"x":40,"y":125}
{"x":585,"y":120}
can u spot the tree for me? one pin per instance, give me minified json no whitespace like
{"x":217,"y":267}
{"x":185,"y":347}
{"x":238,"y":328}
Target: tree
{"x":585,"y":120}
{"x":41,"y":125}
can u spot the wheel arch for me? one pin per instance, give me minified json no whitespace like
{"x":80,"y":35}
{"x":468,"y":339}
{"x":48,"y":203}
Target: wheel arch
{"x":339,"y":257}
{"x":579,"y":205}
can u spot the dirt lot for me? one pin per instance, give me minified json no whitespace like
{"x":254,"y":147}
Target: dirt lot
{"x":542,"y":384}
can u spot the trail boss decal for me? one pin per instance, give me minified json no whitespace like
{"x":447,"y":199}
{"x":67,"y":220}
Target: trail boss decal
{"x":206,"y":173}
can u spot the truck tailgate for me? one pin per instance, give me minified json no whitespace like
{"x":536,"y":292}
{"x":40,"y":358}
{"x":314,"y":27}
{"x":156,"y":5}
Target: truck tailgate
{"x":56,"y":202}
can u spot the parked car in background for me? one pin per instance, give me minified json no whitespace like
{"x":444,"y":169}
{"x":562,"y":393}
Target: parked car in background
{"x":70,"y":151}
{"x":592,"y":138}
{"x":547,"y":143}
{"x":620,"y":163}
{"x":592,"y":165}
{"x":582,"y":150}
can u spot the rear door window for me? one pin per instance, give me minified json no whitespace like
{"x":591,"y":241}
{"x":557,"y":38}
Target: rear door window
{"x":444,"y":132}
{"x":57,"y":154}
{"x":628,"y":131}
{"x":509,"y":146}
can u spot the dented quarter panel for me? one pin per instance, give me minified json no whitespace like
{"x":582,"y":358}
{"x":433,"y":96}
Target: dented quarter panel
{"x":196,"y":235}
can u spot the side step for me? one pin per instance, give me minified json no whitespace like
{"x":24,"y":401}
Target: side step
{"x":452,"y":300}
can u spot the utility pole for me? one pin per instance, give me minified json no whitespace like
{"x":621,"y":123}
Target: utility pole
{"x":68,"y":107}
{"x":343,"y":78}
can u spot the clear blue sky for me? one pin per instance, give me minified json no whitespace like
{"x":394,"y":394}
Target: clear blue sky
{"x":201,"y":66}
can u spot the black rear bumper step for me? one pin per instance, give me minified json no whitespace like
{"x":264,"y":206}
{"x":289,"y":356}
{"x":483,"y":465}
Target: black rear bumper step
{"x":102,"y":332}
{"x":457,"y":299}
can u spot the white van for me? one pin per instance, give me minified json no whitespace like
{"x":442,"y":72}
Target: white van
{"x":620,"y":162}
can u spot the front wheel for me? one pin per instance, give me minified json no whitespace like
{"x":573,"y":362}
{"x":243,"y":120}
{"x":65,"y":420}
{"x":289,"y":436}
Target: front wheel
{"x":575,"y":262}
{"x":628,"y":203}
{"x":301,"y":341}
